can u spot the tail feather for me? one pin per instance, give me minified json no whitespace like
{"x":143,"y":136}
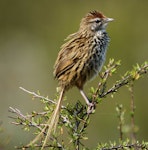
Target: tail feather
{"x":54,"y":119}
{"x":51,"y":123}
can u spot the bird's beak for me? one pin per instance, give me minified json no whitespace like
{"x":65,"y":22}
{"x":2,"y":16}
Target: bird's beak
{"x":108,"y":20}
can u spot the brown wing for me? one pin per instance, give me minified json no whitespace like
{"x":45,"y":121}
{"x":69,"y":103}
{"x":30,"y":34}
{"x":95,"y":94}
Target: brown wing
{"x":67,"y":58}
{"x":69,"y":55}
{"x":62,"y":67}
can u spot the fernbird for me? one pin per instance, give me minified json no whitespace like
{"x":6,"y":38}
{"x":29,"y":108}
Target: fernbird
{"x":79,"y":60}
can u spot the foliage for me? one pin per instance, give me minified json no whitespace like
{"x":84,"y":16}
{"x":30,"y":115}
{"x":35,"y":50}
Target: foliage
{"x":74,"y":120}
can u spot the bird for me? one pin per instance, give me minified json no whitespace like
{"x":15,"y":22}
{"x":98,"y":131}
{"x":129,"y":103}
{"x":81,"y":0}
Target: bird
{"x":79,"y":60}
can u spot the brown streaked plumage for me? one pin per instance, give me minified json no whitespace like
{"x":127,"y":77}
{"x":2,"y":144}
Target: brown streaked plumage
{"x":75,"y":64}
{"x":79,"y":60}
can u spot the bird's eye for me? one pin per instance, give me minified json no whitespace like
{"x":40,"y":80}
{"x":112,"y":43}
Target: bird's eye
{"x":97,"y":21}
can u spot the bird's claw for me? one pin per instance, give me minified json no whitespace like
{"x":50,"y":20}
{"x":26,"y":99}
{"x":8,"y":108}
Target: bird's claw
{"x":91,"y":107}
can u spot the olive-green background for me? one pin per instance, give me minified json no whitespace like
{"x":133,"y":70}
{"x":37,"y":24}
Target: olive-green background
{"x":31,"y":33}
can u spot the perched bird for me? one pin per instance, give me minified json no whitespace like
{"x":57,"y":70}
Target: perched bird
{"x":79,"y":60}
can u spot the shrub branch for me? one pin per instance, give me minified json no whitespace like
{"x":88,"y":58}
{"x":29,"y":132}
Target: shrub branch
{"x":75,"y":118}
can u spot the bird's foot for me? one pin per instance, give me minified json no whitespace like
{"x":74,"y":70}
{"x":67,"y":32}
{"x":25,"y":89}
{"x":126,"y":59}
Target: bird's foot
{"x":91,"y":107}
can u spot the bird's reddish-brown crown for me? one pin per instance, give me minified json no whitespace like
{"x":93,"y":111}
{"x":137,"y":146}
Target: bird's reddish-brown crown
{"x":94,"y":14}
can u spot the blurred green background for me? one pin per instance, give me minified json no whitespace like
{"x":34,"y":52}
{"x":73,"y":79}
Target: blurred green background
{"x":31,"y":33}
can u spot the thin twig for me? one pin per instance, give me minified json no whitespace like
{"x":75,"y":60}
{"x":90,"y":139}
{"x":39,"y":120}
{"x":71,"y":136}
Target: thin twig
{"x":39,"y":146}
{"x":23,"y":119}
{"x":120,"y":113}
{"x":124,"y":81}
{"x":133,"y":134}
{"x":105,"y":75}
{"x":35,"y":95}
{"x":130,"y":146}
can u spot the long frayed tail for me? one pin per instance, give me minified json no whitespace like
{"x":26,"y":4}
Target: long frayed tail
{"x":51,"y":123}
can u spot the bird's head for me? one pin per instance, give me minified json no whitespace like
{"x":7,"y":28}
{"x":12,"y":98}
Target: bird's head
{"x":95,"y":21}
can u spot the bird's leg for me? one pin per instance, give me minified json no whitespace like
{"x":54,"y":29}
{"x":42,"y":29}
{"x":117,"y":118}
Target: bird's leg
{"x":91,"y":105}
{"x":85,"y":97}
